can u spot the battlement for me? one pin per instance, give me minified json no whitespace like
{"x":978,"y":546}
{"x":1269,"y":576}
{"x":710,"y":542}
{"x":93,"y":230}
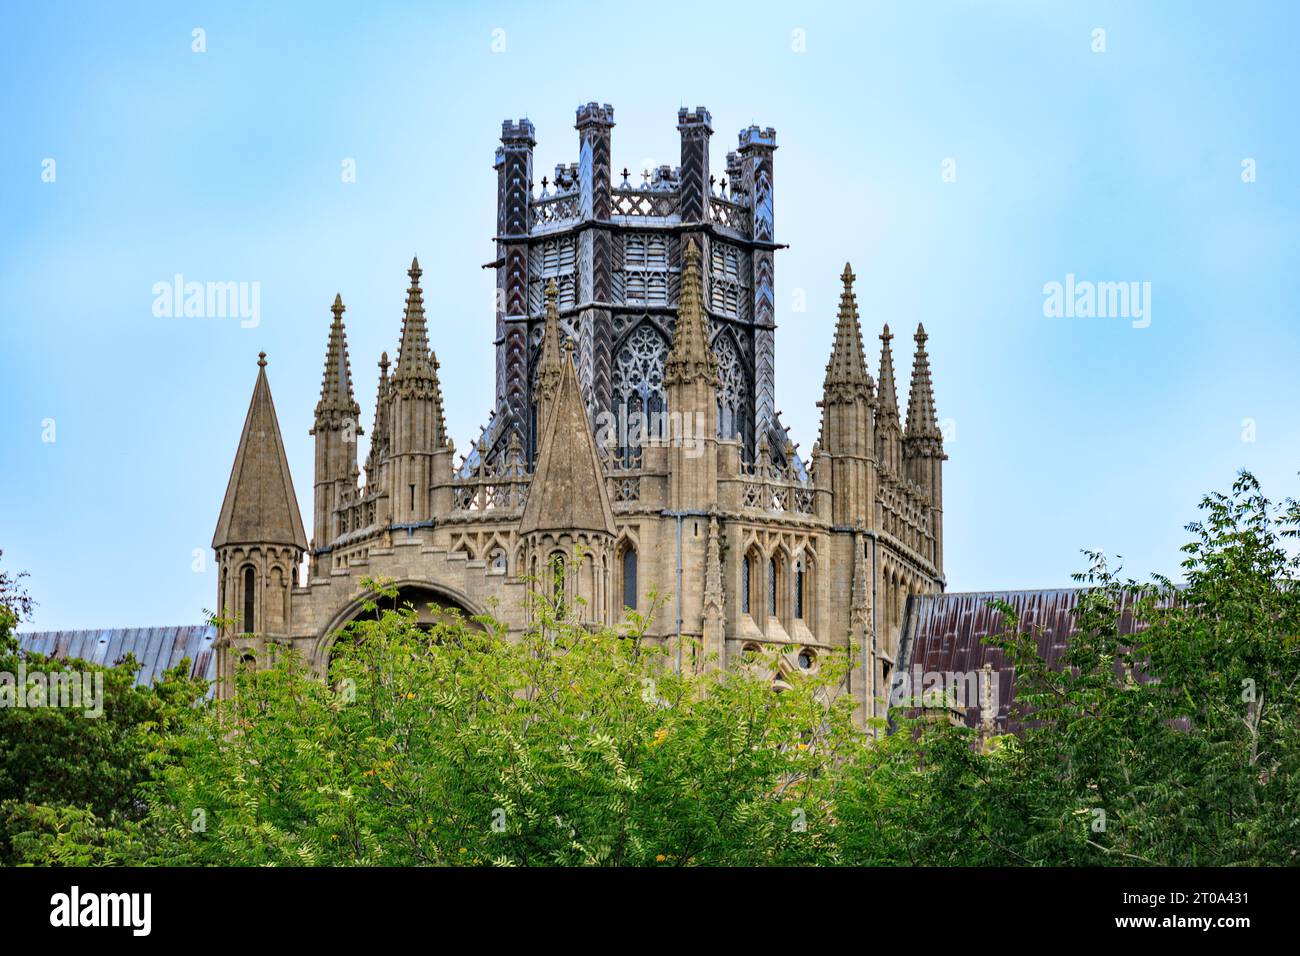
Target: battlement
{"x":518,"y":134}
{"x":700,"y":117}
{"x":753,"y":136}
{"x":594,"y":114}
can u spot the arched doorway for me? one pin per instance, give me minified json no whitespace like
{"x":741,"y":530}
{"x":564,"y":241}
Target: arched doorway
{"x":433,"y":604}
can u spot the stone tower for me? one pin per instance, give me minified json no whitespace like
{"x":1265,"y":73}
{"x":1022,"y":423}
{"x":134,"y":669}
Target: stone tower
{"x":259,"y":541}
{"x":633,"y":450}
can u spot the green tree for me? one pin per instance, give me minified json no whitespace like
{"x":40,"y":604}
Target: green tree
{"x":458,"y":745}
{"x":68,"y":770}
{"x":1177,"y":745}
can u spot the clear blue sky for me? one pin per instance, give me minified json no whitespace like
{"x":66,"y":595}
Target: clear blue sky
{"x":1070,"y":432}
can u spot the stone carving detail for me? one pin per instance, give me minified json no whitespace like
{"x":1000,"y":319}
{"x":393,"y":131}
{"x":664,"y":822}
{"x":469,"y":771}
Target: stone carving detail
{"x":733,"y":397}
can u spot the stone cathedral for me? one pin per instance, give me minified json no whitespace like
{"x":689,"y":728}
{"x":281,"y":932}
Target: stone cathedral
{"x":634,"y":450}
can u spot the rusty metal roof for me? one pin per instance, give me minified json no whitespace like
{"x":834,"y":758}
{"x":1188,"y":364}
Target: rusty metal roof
{"x":156,"y":649}
{"x":943,"y":633}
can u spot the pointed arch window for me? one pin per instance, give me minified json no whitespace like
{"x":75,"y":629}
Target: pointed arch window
{"x":557,"y":583}
{"x":250,"y":599}
{"x":629,"y":577}
{"x":638,"y":388}
{"x":733,"y":417}
{"x":771,"y":586}
{"x":798,"y":588}
{"x":745,"y":572}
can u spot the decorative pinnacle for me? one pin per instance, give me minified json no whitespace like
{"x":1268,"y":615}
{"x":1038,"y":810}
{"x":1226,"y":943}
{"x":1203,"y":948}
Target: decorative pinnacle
{"x":413,"y":352}
{"x":888,"y":393}
{"x":922,"y":421}
{"x":691,"y":358}
{"x":847,"y":378}
{"x":549,"y":367}
{"x":261,"y":360}
{"x":336,"y":401}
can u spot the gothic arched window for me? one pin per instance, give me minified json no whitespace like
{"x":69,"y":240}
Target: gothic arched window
{"x":771,"y":586}
{"x":733,"y":419}
{"x":638,"y":386}
{"x":557,"y":583}
{"x":798,"y":588}
{"x":745,"y":572}
{"x":629,"y":577}
{"x":250,"y":599}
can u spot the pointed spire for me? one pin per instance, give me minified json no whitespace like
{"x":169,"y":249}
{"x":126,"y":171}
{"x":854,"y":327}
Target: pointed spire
{"x":379,"y":432}
{"x":336,"y":400}
{"x":381,"y":394}
{"x":846,"y":372}
{"x":568,"y":487}
{"x":549,"y":367}
{"x":416,"y":374}
{"x":922,"y":422}
{"x":260,"y":506}
{"x":439,"y":414}
{"x":691,"y":358}
{"x":888,"y":394}
{"x":413,"y":354}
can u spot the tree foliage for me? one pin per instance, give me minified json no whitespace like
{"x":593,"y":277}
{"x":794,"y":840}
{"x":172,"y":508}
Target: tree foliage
{"x":66,"y":774}
{"x":1177,"y":745}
